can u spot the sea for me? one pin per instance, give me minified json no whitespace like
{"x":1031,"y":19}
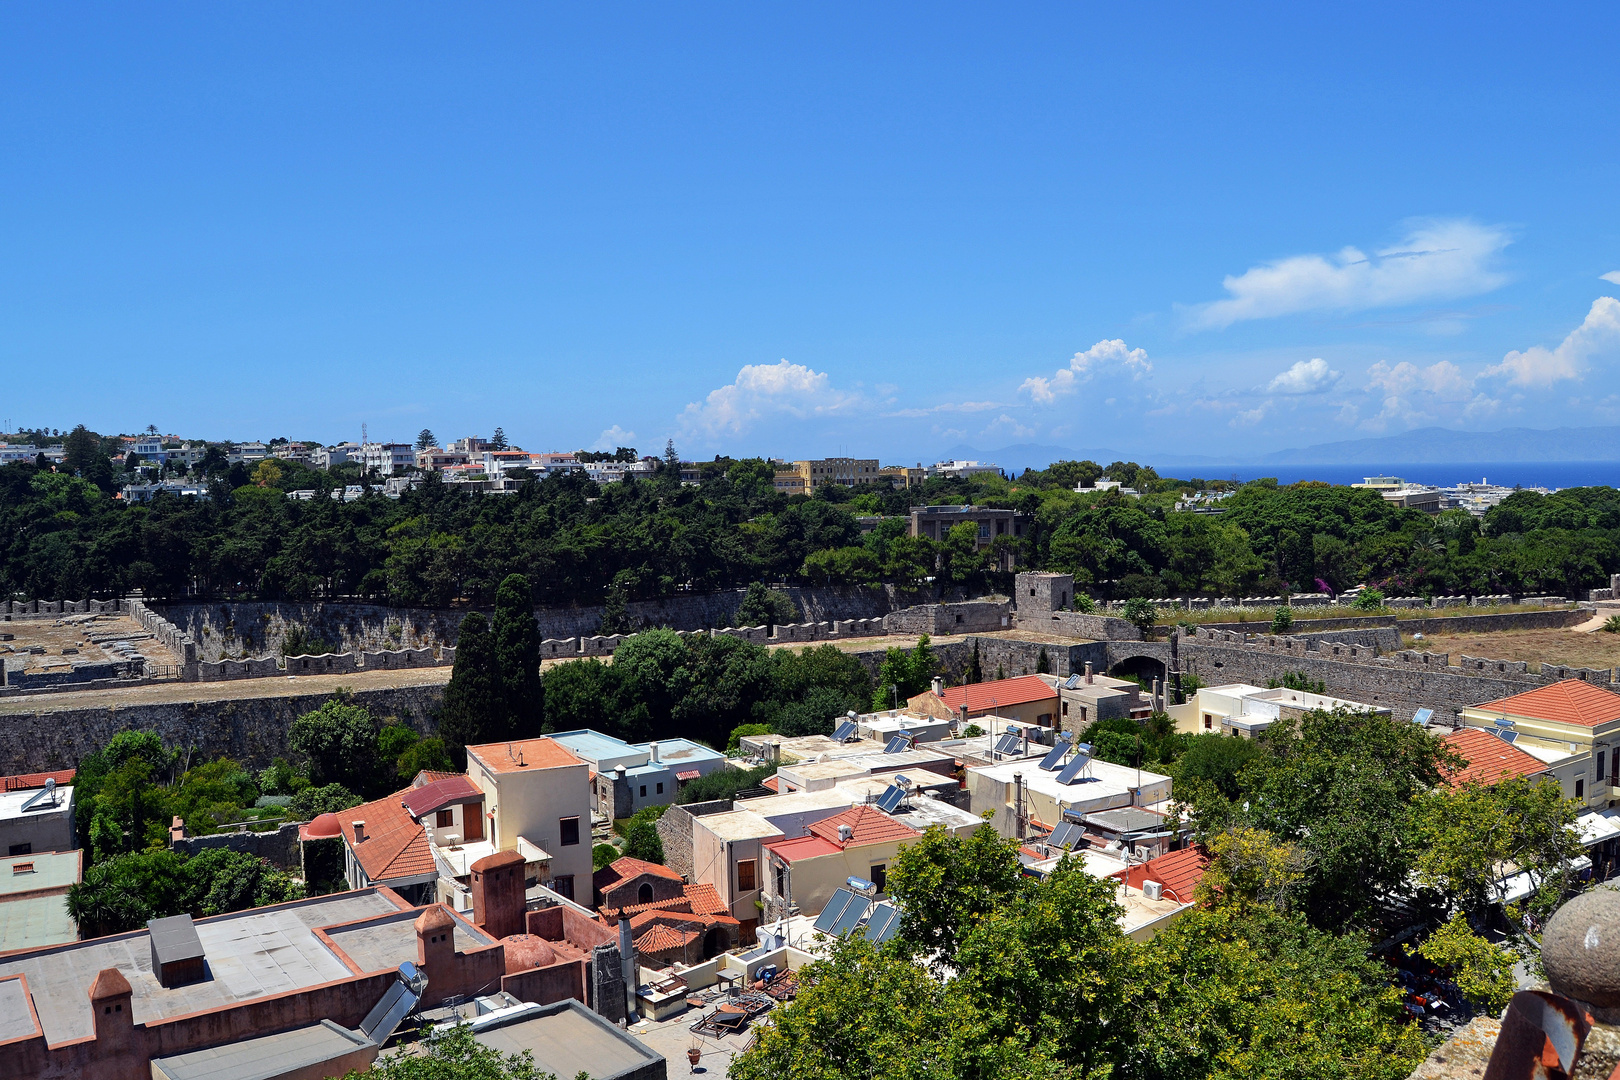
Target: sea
{"x":1535,"y":474}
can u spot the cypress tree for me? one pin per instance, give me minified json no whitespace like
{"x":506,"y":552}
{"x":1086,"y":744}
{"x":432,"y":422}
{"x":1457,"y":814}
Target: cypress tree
{"x":975,"y":674}
{"x":474,"y":705}
{"x":1043,"y":666}
{"x":517,"y":656}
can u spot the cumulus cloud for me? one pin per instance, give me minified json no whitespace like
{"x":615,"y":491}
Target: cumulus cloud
{"x":613,"y":438}
{"x":764,"y":390}
{"x":1436,"y":259}
{"x":1112,"y":357}
{"x":1597,"y":338}
{"x":1612,"y":276}
{"x":1410,"y":395}
{"x":1305,"y":377}
{"x":1005,"y":426}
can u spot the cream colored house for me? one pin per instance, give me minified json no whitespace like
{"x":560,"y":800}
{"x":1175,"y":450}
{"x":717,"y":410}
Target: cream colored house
{"x":728,"y":852}
{"x":539,"y":791}
{"x":1245,"y":710}
{"x":805,"y":871}
{"x":1572,"y":725}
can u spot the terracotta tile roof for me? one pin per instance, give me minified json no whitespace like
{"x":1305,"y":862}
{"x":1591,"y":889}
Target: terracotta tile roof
{"x":989,"y":696}
{"x":395,"y":846}
{"x":802,"y":847}
{"x":772,"y":783}
{"x":1488,"y":759}
{"x":870,"y":825}
{"x":1569,"y":702}
{"x":664,"y":939}
{"x":623,"y":869}
{"x":1178,"y":871}
{"x":25,"y":781}
{"x":705,"y":899}
{"x":533,"y":753}
{"x":449,"y":791}
{"x":428,"y":776}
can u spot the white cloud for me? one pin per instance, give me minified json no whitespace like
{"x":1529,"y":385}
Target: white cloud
{"x":613,"y":438}
{"x":952,"y":406}
{"x":1110,"y":357}
{"x":1436,"y":259}
{"x":1305,"y":377}
{"x":764,"y":390}
{"x":1411,"y":395}
{"x":1611,"y":276}
{"x":1250,"y":417}
{"x":1597,"y":338}
{"x":1005,"y":426}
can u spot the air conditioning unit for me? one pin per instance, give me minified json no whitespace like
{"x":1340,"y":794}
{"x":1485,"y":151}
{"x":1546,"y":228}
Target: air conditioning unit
{"x":1153,"y":890}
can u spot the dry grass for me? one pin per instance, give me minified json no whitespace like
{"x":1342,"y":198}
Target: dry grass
{"x":169,"y":693}
{"x":1556,"y":646}
{"x":1170,"y":615}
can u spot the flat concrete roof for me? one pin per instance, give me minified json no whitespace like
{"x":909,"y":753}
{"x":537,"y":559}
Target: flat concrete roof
{"x":387,"y":941}
{"x":595,"y":746}
{"x":738,"y":825}
{"x":51,"y":870}
{"x":16,"y":1022}
{"x":1099,"y":779}
{"x":570,"y":1039}
{"x":11,"y":803}
{"x":250,"y":954}
{"x":32,"y":922}
{"x":263,"y":1058}
{"x":920,"y":811}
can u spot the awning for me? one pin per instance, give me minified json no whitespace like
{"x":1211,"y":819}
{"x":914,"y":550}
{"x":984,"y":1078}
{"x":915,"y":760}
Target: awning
{"x":689,"y":774}
{"x":1597,"y":827}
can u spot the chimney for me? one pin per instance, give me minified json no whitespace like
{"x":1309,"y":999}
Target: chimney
{"x":846,"y":833}
{"x":1088,"y":671}
{"x":114,"y":1019}
{"x":359,"y":831}
{"x":654,"y":749}
{"x":497,"y":894}
{"x":627,"y":958}
{"x":938,"y":686}
{"x":435,"y":942}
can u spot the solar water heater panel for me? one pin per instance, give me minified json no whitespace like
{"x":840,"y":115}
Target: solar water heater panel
{"x":1076,"y":764}
{"x":896,"y":744}
{"x":836,"y":907}
{"x":889,"y":801}
{"x":852,"y":916}
{"x":883,"y":924}
{"x":845,"y":731}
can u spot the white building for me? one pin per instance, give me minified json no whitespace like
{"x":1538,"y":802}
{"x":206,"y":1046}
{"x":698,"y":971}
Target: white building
{"x":387,"y":458}
{"x":11,"y":453}
{"x":538,"y":793}
{"x":956,"y":469}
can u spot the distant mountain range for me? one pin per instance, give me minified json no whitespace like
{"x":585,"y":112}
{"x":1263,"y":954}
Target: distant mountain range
{"x":1437,"y":446}
{"x":1422,"y":446}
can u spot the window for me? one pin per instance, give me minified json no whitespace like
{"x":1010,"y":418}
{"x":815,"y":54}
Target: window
{"x":747,"y":880}
{"x":1580,"y":789}
{"x":568,"y":827}
{"x":1065,"y":708}
{"x":660,"y":789}
{"x":444,"y":819}
{"x":879,"y":876}
{"x":1600,"y":766}
{"x":643,"y":791}
{"x":644,"y":894}
{"x":563,"y":885}
{"x":1209,"y":722}
{"x":22,"y":849}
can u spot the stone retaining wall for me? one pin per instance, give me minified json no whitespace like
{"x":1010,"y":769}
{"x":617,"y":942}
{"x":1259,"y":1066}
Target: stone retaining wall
{"x":179,"y":642}
{"x":967,"y":617}
{"x":279,"y":845}
{"x":1078,"y":624}
{"x":251,"y":730}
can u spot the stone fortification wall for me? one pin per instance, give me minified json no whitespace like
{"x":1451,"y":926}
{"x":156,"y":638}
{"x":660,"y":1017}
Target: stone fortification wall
{"x":965,"y":617}
{"x":279,"y":845}
{"x":28,"y":609}
{"x":252,"y":730}
{"x":1404,"y":681}
{"x":178,"y":640}
{"x":239,"y":628}
{"x":1426,"y":624}
{"x":1078,"y":624}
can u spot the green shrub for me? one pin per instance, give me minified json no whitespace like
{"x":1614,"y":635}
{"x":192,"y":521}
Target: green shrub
{"x":1282,"y":620}
{"x":1611,"y":625}
{"x":1369,"y":600}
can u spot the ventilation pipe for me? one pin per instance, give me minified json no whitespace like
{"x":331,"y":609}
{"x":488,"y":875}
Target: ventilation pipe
{"x":654,"y":749}
{"x":627,"y":961}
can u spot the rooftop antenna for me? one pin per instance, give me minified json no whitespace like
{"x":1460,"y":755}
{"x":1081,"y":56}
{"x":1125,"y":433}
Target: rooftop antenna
{"x":363,"y":437}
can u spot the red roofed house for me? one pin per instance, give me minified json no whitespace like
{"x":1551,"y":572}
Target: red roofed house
{"x":385,"y":846}
{"x":1488,"y":759}
{"x":1572,"y":726}
{"x":860,"y":842}
{"x":1028,"y":699}
{"x":690,"y":926}
{"x":628,"y":881}
{"x":1157,"y":892}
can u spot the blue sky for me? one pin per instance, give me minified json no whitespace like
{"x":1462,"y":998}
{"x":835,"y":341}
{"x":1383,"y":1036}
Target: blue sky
{"x":769,"y":230}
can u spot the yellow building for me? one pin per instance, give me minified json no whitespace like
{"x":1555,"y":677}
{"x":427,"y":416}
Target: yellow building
{"x":804,"y":477}
{"x":1572,"y":725}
